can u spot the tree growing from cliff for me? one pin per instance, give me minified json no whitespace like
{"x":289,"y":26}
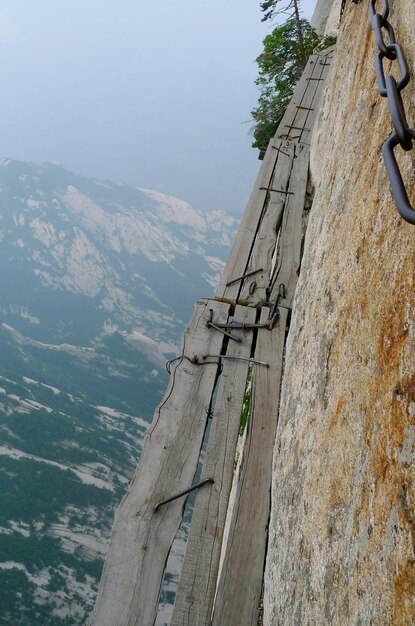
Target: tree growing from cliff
{"x":291,"y":8}
{"x":280,"y":66}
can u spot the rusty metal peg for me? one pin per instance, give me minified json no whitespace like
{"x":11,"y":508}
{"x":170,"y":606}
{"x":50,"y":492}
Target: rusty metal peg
{"x":205,"y":481}
{"x":221,"y":327}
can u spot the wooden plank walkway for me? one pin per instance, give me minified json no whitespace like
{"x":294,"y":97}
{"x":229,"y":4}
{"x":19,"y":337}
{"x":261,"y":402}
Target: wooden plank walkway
{"x":240,"y":584}
{"x":288,"y":259}
{"x":197,"y":585}
{"x":273,"y":196}
{"x":279,"y":224}
{"x":141,"y":538}
{"x":298,"y":121}
{"x":229,"y":287}
{"x":260,"y":277}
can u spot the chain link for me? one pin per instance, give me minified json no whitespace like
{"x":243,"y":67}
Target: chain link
{"x":391,"y":89}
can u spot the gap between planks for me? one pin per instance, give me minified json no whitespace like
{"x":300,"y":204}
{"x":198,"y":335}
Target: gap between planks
{"x":240,"y":584}
{"x":197,"y":585}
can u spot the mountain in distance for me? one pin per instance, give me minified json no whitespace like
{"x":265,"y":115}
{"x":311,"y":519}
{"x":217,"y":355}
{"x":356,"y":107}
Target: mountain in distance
{"x":97,"y":282}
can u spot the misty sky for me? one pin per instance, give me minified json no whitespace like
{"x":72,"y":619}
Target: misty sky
{"x":151,"y":93}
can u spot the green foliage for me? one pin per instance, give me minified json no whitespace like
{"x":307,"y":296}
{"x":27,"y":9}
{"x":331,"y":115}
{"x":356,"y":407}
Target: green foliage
{"x":273,"y":8}
{"x":17,"y":596}
{"x":31,"y":491}
{"x":20,"y":605}
{"x":280,"y":66}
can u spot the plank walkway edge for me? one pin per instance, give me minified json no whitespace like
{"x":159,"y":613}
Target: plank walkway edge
{"x":142,"y":538}
{"x":240,"y":584}
{"x":197,"y":584}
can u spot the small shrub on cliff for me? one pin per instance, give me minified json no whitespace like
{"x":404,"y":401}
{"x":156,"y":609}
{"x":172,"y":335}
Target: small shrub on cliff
{"x":280,"y":66}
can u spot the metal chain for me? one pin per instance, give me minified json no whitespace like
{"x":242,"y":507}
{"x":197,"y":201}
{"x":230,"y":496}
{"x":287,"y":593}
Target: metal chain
{"x":392,"y":89}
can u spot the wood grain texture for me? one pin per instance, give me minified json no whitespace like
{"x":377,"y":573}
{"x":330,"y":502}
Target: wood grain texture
{"x":297,"y":123}
{"x":294,"y":117}
{"x":241,"y":250}
{"x":194,"y":600}
{"x":254,"y":288}
{"x":312,"y":100}
{"x":289,"y":258}
{"x":141,"y":539}
{"x":240,"y":584}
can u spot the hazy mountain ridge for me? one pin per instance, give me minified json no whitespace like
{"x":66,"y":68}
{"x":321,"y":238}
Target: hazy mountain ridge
{"x":105,"y":243}
{"x":98,"y":279}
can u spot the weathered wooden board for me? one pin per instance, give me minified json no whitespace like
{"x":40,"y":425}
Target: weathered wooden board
{"x":241,"y":250}
{"x":289,"y":258}
{"x":298,"y":120}
{"x":309,"y":101}
{"x":194,"y":600}
{"x":324,"y":61}
{"x":293,"y":121}
{"x":141,"y":538}
{"x":254,"y":288}
{"x":252,"y":249}
{"x":240,"y":583}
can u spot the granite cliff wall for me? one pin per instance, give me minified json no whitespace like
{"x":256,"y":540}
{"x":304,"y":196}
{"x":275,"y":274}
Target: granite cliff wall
{"x":342,"y":531}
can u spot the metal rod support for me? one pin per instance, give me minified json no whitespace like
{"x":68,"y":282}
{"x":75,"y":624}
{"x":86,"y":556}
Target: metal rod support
{"x":237,"y":358}
{"x":238,"y":326}
{"x":205,"y":481}
{"x":279,"y":150}
{"x":220,"y":328}
{"x":236,"y":280}
{"x":291,"y":193}
{"x":302,"y":128}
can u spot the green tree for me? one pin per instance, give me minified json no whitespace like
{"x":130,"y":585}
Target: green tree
{"x":290,"y":8}
{"x":280,"y":66}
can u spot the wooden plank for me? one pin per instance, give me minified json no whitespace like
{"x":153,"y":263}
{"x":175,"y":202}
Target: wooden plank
{"x":289,"y":258}
{"x":295,"y":126}
{"x":240,"y":584}
{"x":254,"y":288}
{"x":241,"y":250}
{"x":141,"y":538}
{"x":194,"y":601}
{"x":301,"y":113}
{"x":301,"y":125}
{"x":292,"y":116}
{"x":309,"y":103}
{"x":322,"y":68}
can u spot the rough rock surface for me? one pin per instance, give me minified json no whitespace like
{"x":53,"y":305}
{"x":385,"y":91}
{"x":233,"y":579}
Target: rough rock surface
{"x":321,"y":14}
{"x":342,"y":532}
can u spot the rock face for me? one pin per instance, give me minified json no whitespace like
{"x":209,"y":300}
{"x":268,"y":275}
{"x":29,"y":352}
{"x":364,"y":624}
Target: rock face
{"x":322,"y":12}
{"x":342,"y":532}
